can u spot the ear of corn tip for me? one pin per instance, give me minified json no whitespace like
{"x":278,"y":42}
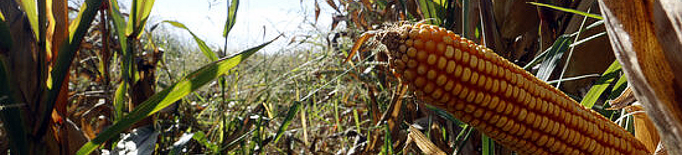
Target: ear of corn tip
{"x":497,"y":97}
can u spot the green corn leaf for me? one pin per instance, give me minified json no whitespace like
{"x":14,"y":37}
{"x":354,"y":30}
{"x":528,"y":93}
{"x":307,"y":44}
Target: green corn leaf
{"x":553,"y":57}
{"x":588,"y":39}
{"x":440,"y":2}
{"x":85,"y":14}
{"x":619,"y":87}
{"x":537,"y":59}
{"x":168,"y":96}
{"x":30,"y":7}
{"x":488,"y":147}
{"x":127,"y":66}
{"x":138,"y":18}
{"x":431,"y":11}
{"x":595,"y":16}
{"x":202,"y":45}
{"x":616,"y":91}
{"x":600,"y":86}
{"x":119,"y":100}
{"x":231,"y":17}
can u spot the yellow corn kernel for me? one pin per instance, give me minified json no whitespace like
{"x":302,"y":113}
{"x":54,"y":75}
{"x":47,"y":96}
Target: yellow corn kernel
{"x":412,"y":63}
{"x":421,"y":55}
{"x":431,"y":59}
{"x":450,"y":67}
{"x":430,"y":45}
{"x":431,"y":74}
{"x":458,"y":55}
{"x":412,"y":52}
{"x":442,"y":62}
{"x":440,"y":48}
{"x":441,"y":80}
{"x":449,"y":52}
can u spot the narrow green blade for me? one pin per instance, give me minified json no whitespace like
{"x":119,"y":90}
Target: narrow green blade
{"x":138,"y":19}
{"x":488,"y":147}
{"x":202,"y":45}
{"x":30,"y":7}
{"x":231,"y":17}
{"x":127,"y":66}
{"x":287,"y":120}
{"x":553,"y":57}
{"x":595,"y":16}
{"x":600,"y":86}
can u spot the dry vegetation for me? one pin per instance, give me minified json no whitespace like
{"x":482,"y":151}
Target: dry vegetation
{"x":74,"y":75}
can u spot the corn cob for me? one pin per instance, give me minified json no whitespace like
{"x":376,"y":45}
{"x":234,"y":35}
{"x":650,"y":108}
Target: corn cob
{"x":497,"y":97}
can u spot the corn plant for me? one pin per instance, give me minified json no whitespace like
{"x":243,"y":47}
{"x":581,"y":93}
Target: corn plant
{"x":35,"y":67}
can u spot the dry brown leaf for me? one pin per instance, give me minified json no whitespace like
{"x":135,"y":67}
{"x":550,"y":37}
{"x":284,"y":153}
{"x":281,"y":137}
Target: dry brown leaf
{"x":623,"y":100}
{"x":293,"y":39}
{"x":645,"y":131}
{"x":336,"y":19}
{"x":57,"y":33}
{"x":317,"y":11}
{"x":359,"y":42}
{"x":87,"y":129}
{"x":422,"y":142}
{"x":367,"y":5}
{"x":363,"y":20}
{"x":354,"y":17}
{"x":333,"y":5}
{"x":392,"y":117}
{"x":651,"y":62}
{"x":493,"y":39}
{"x":72,"y":137}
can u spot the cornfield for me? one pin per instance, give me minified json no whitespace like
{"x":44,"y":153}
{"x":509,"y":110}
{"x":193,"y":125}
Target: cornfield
{"x":388,"y":77}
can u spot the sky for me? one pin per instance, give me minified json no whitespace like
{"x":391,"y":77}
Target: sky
{"x":206,"y":18}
